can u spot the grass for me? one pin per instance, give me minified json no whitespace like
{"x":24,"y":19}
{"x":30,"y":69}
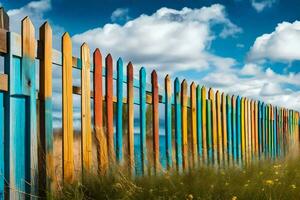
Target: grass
{"x":264,"y":180}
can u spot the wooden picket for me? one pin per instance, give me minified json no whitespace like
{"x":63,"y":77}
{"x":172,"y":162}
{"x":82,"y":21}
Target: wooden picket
{"x":200,"y":127}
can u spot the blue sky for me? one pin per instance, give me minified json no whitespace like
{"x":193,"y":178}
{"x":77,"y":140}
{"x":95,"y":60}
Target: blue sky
{"x":243,"y":47}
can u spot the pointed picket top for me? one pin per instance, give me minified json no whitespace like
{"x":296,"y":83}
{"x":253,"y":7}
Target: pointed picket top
{"x":211,"y":94}
{"x":154,"y":74}
{"x":129,"y":68}
{"x":143,"y":72}
{"x":168,"y":84}
{"x":66,"y":39}
{"x":193,"y":85}
{"x":203,"y":90}
{"x":85,"y":56}
{"x":108,"y":60}
{"x":176,"y":82}
{"x":120,"y":63}
{"x":97,"y":52}
{"x":184,"y":85}
{"x":4,"y":19}
{"x":46,"y":26}
{"x":28,"y":38}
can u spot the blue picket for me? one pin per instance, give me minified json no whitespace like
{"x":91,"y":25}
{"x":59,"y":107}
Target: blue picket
{"x":199,"y":120}
{"x":119,"y":126}
{"x":178,"y":136}
{"x":229,"y":129}
{"x":234,"y":131}
{"x":168,"y":121}
{"x":238,"y":129}
{"x":143,"y":139}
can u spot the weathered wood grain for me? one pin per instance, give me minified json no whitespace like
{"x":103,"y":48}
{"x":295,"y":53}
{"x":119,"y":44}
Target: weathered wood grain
{"x":101,"y":141}
{"x":130,"y":96}
{"x":194,"y":125}
{"x":155,"y":120}
{"x":178,"y":132}
{"x":168,"y":120}
{"x":86,"y":130}
{"x":46,"y":162}
{"x":67,"y":110}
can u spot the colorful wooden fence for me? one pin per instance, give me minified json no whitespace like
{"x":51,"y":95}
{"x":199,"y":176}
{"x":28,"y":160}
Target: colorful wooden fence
{"x":201,"y":128}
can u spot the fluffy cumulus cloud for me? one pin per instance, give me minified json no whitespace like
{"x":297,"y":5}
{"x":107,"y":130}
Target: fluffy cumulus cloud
{"x":280,"y":45}
{"x":257,"y":82}
{"x":36,"y":10}
{"x":120,"y":14}
{"x":170,"y":40}
{"x":260,"y":5}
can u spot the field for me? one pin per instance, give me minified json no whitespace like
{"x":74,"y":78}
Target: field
{"x":263,"y":180}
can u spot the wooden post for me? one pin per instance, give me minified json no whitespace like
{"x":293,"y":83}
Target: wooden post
{"x":155,"y":120}
{"x":119,"y":117}
{"x":204,"y":125}
{"x":110,"y":108}
{"x":46,"y":162}
{"x":194,"y":125}
{"x":143,"y":139}
{"x":67,"y":110}
{"x":168,"y":119}
{"x":130,"y":99}
{"x":4,"y":27}
{"x":86,"y":132}
{"x":178,"y":133}
{"x":211,"y":96}
{"x":219,"y":126}
{"x":184,"y":127}
{"x":199,"y":124}
{"x":98,"y":115}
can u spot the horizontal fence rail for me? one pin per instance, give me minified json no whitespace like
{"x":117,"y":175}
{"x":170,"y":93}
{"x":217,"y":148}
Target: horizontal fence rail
{"x":201,"y":126}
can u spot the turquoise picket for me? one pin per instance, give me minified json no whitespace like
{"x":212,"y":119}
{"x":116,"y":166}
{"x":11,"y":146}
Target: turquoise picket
{"x":199,"y":120}
{"x":238,"y":130}
{"x":119,"y":125}
{"x":234,"y":132}
{"x":209,"y":131}
{"x":229,"y":129}
{"x":168,"y":121}
{"x":143,"y":139}
{"x":178,"y":136}
{"x":21,"y":123}
{"x":1,"y":147}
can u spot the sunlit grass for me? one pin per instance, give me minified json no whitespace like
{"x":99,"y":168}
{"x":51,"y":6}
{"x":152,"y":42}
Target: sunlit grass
{"x":264,"y":180}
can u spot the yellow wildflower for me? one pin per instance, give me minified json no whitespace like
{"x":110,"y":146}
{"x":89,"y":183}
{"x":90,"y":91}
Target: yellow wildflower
{"x":234,"y":198}
{"x":293,"y":186}
{"x":246,"y":185}
{"x":276,"y":172}
{"x":269,"y":182}
{"x":190,"y":197}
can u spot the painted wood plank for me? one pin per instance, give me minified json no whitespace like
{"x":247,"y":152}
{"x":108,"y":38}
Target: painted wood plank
{"x":209,"y":132}
{"x":194,"y":146}
{"x":155,"y":120}
{"x":184,"y":126}
{"x":29,"y":89}
{"x":219,"y":127}
{"x":143,"y":138}
{"x":110,"y":108}
{"x":3,"y":82}
{"x":2,"y":161}
{"x":86,"y":132}
{"x":246,"y":131}
{"x":178,"y":133}
{"x":67,"y":109}
{"x":211,"y":96}
{"x":252,"y":118}
{"x":260,"y":127}
{"x":243,"y":139}
{"x":238,"y":129}
{"x":249,"y":131}
{"x":256,"y":127}
{"x":234,"y":131}
{"x":46,"y":162}
{"x":168,"y":121}
{"x":229,"y":129}
{"x":119,"y":110}
{"x":275,"y":131}
{"x":224,"y":127}
{"x":101,"y":141}
{"x":130,"y":96}
{"x":204,"y":125}
{"x":199,"y":123}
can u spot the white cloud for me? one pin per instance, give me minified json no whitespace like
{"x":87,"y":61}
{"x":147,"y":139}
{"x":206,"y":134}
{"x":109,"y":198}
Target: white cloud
{"x":259,"y":84}
{"x":260,"y":5}
{"x":36,"y":11}
{"x":280,"y":45}
{"x":169,"y":40}
{"x":120,"y":14}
